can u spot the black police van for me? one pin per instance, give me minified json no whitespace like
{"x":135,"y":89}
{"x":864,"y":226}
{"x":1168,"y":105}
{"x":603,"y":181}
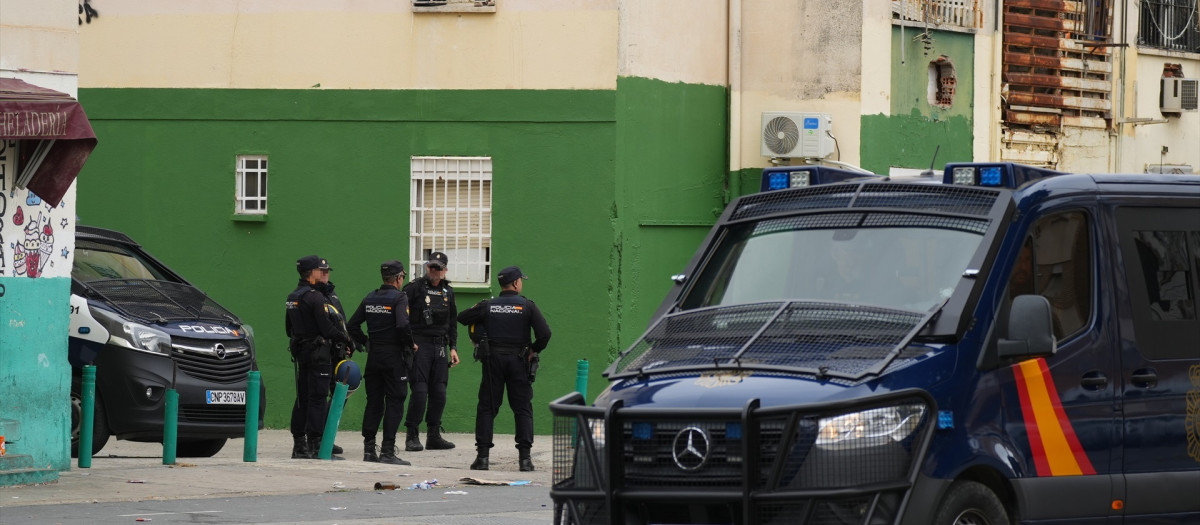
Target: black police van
{"x":1006,"y":345}
{"x":146,"y":330}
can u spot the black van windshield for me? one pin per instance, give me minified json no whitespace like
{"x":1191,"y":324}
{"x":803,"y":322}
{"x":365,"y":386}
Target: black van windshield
{"x":96,"y":261}
{"x":890,"y":260}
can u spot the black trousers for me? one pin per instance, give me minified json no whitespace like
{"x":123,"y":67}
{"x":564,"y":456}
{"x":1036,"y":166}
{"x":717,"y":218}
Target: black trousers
{"x":385,"y":378}
{"x":431,"y":372}
{"x":312,"y":393}
{"x":504,"y":371}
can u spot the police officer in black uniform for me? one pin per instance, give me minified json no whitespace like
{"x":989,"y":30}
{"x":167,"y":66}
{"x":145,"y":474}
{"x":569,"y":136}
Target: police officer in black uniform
{"x":389,"y":352}
{"x":317,"y":335}
{"x":431,"y":299}
{"x":506,"y":322}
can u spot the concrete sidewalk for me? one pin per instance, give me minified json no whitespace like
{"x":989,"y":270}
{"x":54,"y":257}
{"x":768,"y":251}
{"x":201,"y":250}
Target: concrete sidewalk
{"x":127,"y":471}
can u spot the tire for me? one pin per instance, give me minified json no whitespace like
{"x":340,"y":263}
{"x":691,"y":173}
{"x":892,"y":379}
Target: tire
{"x":100,"y":432}
{"x":199,"y":448}
{"x":971,"y":503}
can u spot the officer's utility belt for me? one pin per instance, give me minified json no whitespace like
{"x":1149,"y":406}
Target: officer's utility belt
{"x":311,"y":350}
{"x":435,"y":339}
{"x":507,"y":350}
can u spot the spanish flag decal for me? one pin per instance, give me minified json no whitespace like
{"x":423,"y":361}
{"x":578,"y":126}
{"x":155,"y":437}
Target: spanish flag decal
{"x":1056,"y":449}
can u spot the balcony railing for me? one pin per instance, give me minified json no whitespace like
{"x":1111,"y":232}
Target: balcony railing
{"x":963,"y":14}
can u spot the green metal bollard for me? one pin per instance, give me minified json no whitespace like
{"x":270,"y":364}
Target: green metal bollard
{"x":581,"y":377}
{"x":250,"y":450}
{"x":331,"y":422}
{"x":170,"y":427}
{"x":87,"y":416}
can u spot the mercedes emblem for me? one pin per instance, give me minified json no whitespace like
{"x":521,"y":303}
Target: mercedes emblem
{"x":691,"y":448}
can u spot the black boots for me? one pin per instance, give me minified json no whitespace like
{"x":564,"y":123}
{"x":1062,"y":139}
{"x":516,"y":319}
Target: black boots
{"x":300,"y":448}
{"x":524,"y":461}
{"x":481,"y":463}
{"x":435,"y":442}
{"x":388,"y":455}
{"x":370,"y":451}
{"x":413,"y":442}
{"x":314,"y":449}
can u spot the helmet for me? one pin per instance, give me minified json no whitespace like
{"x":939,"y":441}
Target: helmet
{"x":348,"y":372}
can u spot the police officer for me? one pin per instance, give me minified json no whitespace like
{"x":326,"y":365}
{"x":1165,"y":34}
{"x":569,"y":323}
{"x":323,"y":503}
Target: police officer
{"x":325,"y":286}
{"x":506,"y":321}
{"x":316,"y":330}
{"x":389,"y":350}
{"x":431,"y":299}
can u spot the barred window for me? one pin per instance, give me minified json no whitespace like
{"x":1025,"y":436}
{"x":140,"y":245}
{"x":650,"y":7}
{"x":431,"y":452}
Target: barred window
{"x":251,"y":185}
{"x":451,"y":212}
{"x":1170,"y":24}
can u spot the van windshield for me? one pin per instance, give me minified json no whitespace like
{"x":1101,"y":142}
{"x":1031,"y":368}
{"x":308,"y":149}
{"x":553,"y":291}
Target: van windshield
{"x":96,"y":261}
{"x":900,"y":261}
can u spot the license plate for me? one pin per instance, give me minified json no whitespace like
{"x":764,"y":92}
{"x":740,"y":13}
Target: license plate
{"x":224,"y":397}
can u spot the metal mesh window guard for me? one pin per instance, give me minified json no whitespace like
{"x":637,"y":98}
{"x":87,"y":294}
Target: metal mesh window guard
{"x":451,"y":212}
{"x":1170,"y":24}
{"x":251,"y":184}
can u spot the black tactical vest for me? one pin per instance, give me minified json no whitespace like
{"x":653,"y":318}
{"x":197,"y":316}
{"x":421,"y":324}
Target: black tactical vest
{"x":380,"y":308}
{"x":507,"y":322}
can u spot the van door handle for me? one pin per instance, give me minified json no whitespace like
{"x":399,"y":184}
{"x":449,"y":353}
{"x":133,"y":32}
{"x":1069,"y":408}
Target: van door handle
{"x":1094,"y":380}
{"x":1144,"y":377}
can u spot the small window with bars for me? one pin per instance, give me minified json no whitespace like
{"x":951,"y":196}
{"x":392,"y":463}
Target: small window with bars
{"x":451,"y":212}
{"x":251,"y":185}
{"x":1170,"y":24}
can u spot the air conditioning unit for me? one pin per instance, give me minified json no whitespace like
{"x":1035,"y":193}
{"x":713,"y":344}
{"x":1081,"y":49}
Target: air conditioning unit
{"x":797,"y":135}
{"x":1178,"y":95}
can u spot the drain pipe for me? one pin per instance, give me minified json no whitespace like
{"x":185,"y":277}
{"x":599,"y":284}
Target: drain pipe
{"x":733,"y":115}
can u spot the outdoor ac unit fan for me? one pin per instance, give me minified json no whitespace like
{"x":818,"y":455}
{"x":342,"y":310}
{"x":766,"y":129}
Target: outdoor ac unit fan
{"x":780,"y":135}
{"x":797,"y":135}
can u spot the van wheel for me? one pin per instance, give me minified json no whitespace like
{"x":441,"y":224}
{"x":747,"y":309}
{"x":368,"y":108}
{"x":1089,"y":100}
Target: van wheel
{"x":100,"y":433}
{"x":971,"y":503}
{"x":199,"y":448}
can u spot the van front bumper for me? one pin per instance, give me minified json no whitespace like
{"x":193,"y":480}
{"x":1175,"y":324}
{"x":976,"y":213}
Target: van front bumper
{"x":133,"y":386}
{"x":745,"y":466}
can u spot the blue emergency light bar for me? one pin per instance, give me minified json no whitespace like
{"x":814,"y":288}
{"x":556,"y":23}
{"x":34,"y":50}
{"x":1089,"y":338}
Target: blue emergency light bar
{"x":787,"y":177}
{"x":993,"y":174}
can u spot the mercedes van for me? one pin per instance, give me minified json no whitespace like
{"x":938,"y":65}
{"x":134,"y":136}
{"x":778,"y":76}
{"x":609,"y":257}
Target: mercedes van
{"x":1004,"y":345}
{"x":147,"y":330}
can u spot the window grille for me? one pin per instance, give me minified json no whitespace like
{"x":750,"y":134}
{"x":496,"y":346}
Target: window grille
{"x":1170,"y":24}
{"x":963,"y":14}
{"x":451,"y":212}
{"x":251,"y":185}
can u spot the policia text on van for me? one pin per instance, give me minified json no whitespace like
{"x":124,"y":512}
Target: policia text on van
{"x":148,"y":330}
{"x":1006,"y":345}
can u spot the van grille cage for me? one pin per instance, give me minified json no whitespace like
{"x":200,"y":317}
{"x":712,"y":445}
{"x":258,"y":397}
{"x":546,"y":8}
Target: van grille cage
{"x":962,"y":200}
{"x":779,"y":462}
{"x":839,"y":340}
{"x":200,"y":359}
{"x":151,"y":300}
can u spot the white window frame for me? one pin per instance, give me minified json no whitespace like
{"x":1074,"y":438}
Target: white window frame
{"x":260,"y":173}
{"x":450,"y":211}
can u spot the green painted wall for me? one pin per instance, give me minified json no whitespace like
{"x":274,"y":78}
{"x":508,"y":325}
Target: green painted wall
{"x":35,"y":376}
{"x":671,"y":171}
{"x":339,"y":187}
{"x":913,"y":131}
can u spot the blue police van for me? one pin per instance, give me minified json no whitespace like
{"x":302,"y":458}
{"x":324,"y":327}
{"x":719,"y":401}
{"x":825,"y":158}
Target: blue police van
{"x":1004,"y":345}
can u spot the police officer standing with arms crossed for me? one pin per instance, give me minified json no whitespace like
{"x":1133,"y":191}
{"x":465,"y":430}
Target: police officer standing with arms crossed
{"x":389,"y":357}
{"x":316,"y":331}
{"x":507,"y":353}
{"x":431,"y":300}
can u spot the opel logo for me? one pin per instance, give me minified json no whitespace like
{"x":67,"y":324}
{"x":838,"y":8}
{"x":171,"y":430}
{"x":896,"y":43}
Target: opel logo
{"x":690,"y":448}
{"x":219,"y":349}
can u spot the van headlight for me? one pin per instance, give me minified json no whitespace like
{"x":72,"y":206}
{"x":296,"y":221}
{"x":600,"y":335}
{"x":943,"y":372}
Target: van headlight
{"x":868,"y":428}
{"x":129,"y":334}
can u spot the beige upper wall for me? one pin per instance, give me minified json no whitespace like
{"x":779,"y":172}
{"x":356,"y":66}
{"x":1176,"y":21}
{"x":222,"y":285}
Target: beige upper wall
{"x":674,"y":40}
{"x":39,"y":39}
{"x":364,"y":44}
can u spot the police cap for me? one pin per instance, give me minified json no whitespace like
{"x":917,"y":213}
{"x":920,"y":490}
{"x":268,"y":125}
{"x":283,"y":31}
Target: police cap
{"x":391,"y":268}
{"x":311,"y":262}
{"x":438,"y":260}
{"x":509,"y":275}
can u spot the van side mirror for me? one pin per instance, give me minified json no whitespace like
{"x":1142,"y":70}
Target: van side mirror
{"x":1030,"y":329}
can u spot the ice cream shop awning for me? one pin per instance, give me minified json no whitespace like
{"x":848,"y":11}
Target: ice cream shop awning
{"x":53,"y":133}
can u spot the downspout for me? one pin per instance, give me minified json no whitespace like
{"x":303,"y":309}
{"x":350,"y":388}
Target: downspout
{"x":1120,"y":86}
{"x":733,"y":115}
